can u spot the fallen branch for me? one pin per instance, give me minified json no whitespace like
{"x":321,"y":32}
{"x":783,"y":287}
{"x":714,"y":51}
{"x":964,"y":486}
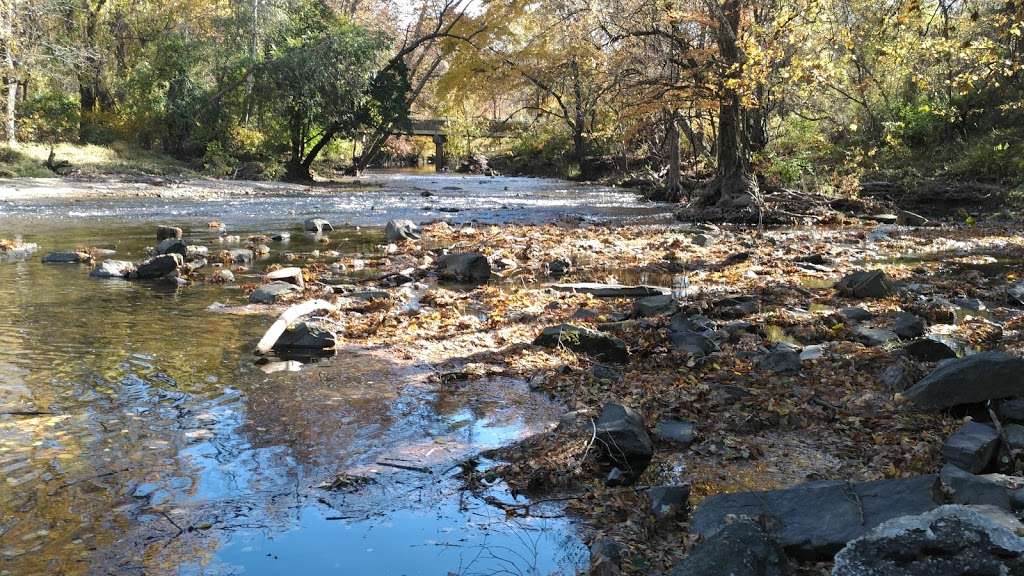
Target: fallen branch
{"x":266,"y":344}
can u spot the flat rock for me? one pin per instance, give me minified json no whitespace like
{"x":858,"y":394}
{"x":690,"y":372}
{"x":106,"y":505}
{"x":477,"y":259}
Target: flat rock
{"x":804,"y":528}
{"x":272,"y":293}
{"x":866,"y":284}
{"x":951,"y":540}
{"x":972,"y":447}
{"x":291,"y":275}
{"x":855,"y":314}
{"x":976,"y":378}
{"x":67,"y":258}
{"x":612,"y":290}
{"x":660,"y":305}
{"x":962,"y":487}
{"x":679,"y":432}
{"x":113,"y":269}
{"x":582,"y":340}
{"x":740,"y":548}
{"x":873,"y":336}
{"x":469,"y":267}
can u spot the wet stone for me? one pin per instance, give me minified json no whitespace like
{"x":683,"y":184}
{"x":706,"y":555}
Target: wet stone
{"x":158,"y":267}
{"x":401,"y":231}
{"x":166,"y":232}
{"x":67,"y":258}
{"x":272,"y":293}
{"x":972,"y":447}
{"x":469,"y":267}
{"x":611,"y":290}
{"x":172,"y":246}
{"x":303,"y":337}
{"x":317,"y":225}
{"x":291,"y":275}
{"x":240,"y":256}
{"x":113,"y":269}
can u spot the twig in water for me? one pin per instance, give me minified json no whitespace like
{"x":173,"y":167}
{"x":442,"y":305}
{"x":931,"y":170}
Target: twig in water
{"x":419,"y":469}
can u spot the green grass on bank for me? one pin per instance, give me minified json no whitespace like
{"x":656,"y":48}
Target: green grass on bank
{"x":29,"y":160}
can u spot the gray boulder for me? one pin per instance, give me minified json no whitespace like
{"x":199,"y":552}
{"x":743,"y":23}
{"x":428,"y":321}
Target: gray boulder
{"x":623,"y":440}
{"x":908,"y":325}
{"x":781,"y":360}
{"x":961,"y":487}
{"x":951,"y":540}
{"x":679,"y":432}
{"x":469,"y":267}
{"x":605,"y":557}
{"x":740,"y":548}
{"x":866,"y":284}
{"x":158,"y":266}
{"x":668,"y":502}
{"x":113,"y":269}
{"x":304,"y":337}
{"x":873,"y":336}
{"x":816,"y":519}
{"x":401,"y":230}
{"x":930,"y":349}
{"x":651,"y":306}
{"x":272,"y":293}
{"x":240,"y":256}
{"x":976,"y":378}
{"x":165,"y":232}
{"x":581,"y":340}
{"x":855,"y":314}
{"x":172,"y":246}
{"x":317,"y":225}
{"x":291,"y":275}
{"x":972,"y":447}
{"x":1011,"y":410}
{"x":1015,"y":292}
{"x":695,"y":335}
{"x":69,"y":257}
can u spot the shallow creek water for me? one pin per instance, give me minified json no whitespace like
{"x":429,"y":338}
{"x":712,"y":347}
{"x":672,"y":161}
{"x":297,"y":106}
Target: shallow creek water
{"x":138,"y":435}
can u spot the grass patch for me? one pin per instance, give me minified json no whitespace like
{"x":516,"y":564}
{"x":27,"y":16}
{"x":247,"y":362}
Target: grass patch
{"x":29,"y":160}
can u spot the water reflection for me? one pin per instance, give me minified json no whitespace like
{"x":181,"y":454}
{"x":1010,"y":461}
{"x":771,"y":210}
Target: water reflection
{"x":137,"y":436}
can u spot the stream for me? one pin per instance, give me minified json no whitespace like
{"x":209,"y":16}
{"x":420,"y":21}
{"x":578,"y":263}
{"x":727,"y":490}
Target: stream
{"x":138,"y":434}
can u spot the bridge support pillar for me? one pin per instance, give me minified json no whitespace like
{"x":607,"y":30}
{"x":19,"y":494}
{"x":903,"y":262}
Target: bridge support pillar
{"x":440,"y":155}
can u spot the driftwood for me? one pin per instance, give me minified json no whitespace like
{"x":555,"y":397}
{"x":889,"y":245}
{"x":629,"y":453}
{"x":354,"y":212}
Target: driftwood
{"x":287,"y":317}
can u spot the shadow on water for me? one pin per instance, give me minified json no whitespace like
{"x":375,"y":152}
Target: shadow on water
{"x":138,"y":436}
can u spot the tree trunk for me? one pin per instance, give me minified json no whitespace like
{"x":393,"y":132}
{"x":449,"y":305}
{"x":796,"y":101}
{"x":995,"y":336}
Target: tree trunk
{"x":673,"y":186}
{"x":10,"y":129}
{"x":734,"y":185}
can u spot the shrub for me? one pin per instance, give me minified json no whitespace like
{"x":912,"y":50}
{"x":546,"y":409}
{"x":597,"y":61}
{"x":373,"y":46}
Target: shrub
{"x":48,"y":117}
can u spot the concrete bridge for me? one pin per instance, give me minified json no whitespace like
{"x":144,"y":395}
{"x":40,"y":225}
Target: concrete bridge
{"x":439,"y":128}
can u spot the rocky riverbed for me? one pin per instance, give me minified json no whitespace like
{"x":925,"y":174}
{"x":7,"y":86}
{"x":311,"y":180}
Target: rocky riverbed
{"x":782,"y":401}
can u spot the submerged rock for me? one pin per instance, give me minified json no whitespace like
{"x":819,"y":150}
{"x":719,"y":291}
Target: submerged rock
{"x":976,"y":378}
{"x":401,"y":230}
{"x":815,"y":520}
{"x":165,"y":232}
{"x":740,"y":548}
{"x":952,"y":540}
{"x":68,"y":258}
{"x":469,"y":267}
{"x":584,"y":341}
{"x":623,"y":440}
{"x":866,"y":284}
{"x":972,"y":447}
{"x":113,"y":269}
